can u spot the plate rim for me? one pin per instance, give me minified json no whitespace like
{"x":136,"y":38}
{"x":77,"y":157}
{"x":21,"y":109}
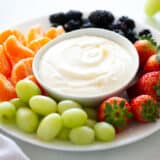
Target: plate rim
{"x":83,"y":148}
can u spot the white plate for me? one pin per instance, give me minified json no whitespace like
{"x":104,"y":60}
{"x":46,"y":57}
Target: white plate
{"x":134,"y":133}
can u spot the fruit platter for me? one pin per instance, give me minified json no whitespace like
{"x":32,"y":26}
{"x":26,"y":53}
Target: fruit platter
{"x":30,"y":113}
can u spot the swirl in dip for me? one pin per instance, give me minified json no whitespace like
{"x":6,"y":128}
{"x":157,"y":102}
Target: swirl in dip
{"x":86,"y":66}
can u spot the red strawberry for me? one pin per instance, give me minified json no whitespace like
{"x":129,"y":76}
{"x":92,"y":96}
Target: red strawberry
{"x":149,"y":84}
{"x":144,"y":109}
{"x":115,"y":111}
{"x":152,"y":64}
{"x":146,"y":47}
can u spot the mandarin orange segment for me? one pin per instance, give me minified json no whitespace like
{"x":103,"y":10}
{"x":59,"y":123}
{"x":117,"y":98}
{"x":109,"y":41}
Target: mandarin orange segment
{"x":36,"y":44}
{"x":60,"y":30}
{"x":18,"y":34}
{"x":21,"y":70}
{"x":54,"y":32}
{"x":4,"y":35}
{"x":32,"y":78}
{"x":5,"y":67}
{"x":35,"y":32}
{"x":15,"y":51}
{"x":7,"y":90}
{"x":51,"y":33}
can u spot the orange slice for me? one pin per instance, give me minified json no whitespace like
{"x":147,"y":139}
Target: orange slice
{"x":36,"y":44}
{"x":60,"y":30}
{"x":18,"y":34}
{"x":21,"y":70}
{"x":51,"y":33}
{"x":15,"y":51}
{"x":5,"y":67}
{"x":7,"y":90}
{"x":35,"y":32}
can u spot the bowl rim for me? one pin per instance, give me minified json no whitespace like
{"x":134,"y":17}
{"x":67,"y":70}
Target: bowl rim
{"x":73,"y":34}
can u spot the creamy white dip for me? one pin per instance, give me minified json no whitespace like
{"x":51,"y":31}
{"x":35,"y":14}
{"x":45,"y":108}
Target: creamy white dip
{"x":86,"y":66}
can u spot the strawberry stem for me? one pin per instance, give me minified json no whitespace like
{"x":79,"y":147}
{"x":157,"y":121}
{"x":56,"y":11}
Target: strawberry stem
{"x":150,"y":111}
{"x":117,"y":114}
{"x":151,"y":40}
{"x":156,"y":88}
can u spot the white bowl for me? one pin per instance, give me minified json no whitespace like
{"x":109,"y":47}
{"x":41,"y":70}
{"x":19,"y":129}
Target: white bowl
{"x":95,"y":99}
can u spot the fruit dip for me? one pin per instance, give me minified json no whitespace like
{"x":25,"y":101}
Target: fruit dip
{"x":86,"y":66}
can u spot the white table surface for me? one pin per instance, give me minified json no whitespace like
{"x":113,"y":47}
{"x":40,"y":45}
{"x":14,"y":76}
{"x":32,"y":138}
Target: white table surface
{"x":15,"y":11}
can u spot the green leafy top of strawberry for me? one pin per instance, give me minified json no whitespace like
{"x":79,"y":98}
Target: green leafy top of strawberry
{"x":117,"y":114}
{"x":151,"y":40}
{"x":156,"y":88}
{"x":150,"y":111}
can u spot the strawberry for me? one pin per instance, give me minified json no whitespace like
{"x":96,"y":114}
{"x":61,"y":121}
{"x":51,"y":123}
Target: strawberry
{"x":144,"y":109}
{"x":152,"y":64}
{"x":145,"y":47}
{"x":149,"y":84}
{"x":115,"y":111}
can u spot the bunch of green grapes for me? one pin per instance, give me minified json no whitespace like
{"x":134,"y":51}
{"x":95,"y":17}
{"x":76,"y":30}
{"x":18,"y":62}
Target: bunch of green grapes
{"x":66,"y":120}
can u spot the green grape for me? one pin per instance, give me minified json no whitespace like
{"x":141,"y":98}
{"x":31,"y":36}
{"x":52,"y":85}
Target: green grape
{"x":64,"y":134}
{"x":7,"y":112}
{"x":18,"y":103}
{"x":104,"y":131}
{"x":26,"y":89}
{"x":43,"y":105}
{"x":82,"y":135}
{"x":90,"y":123}
{"x":67,"y":104}
{"x":50,"y":127}
{"x":74,"y":117}
{"x":91,"y":112}
{"x":152,"y":7}
{"x":27,"y":120}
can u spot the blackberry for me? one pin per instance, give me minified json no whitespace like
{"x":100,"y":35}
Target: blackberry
{"x":73,"y":15}
{"x":119,"y":32}
{"x":126,"y":23}
{"x":87,"y":25}
{"x":72,"y":25}
{"x":131,"y":35}
{"x":58,"y":18}
{"x":145,"y":32}
{"x":85,"y":20}
{"x":101,"y":18}
{"x":113,"y":26}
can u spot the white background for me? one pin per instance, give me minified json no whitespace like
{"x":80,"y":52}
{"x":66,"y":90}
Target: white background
{"x":16,"y":11}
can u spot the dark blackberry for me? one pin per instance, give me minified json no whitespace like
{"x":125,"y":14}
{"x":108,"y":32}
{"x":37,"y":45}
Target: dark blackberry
{"x":119,"y":32}
{"x":73,"y":15}
{"x":58,"y":18}
{"x":131,"y":35}
{"x":85,"y":20}
{"x":101,"y":18}
{"x":87,"y":25}
{"x":145,"y":32}
{"x":113,"y":27}
{"x":72,"y":25}
{"x":126,"y":23}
